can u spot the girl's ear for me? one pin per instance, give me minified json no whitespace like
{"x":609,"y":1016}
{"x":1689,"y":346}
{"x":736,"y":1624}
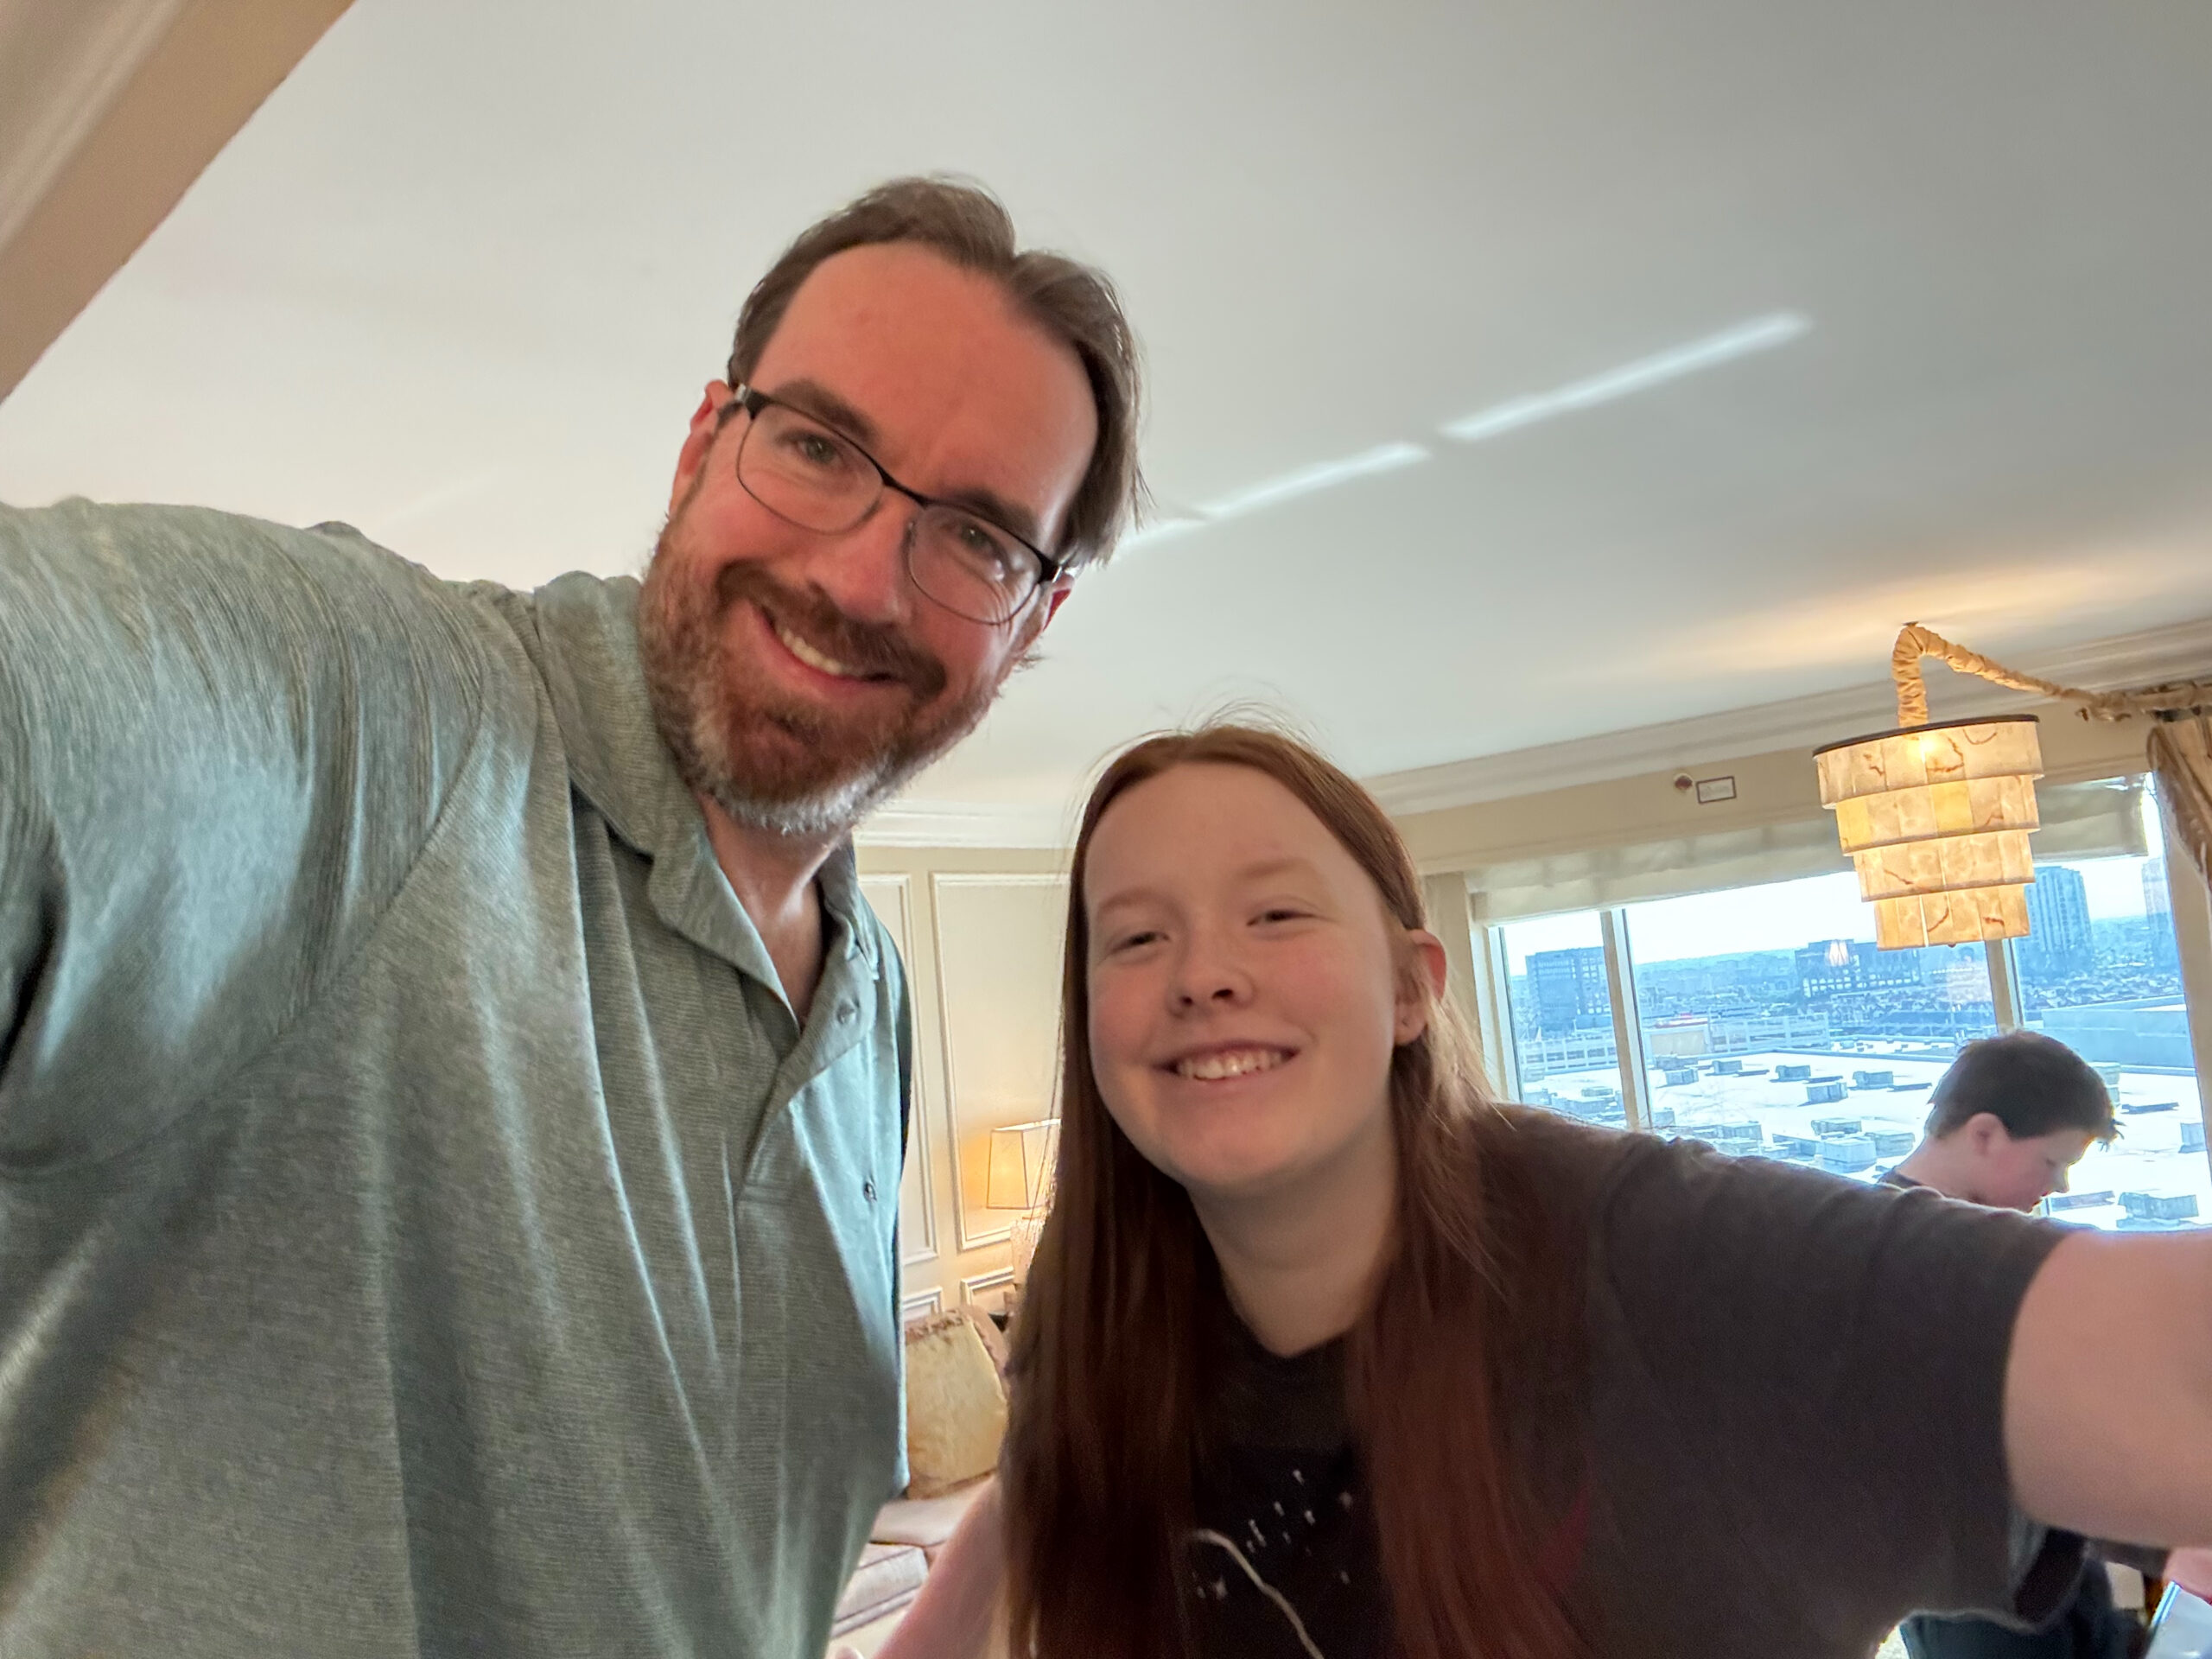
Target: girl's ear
{"x":1421,"y":983}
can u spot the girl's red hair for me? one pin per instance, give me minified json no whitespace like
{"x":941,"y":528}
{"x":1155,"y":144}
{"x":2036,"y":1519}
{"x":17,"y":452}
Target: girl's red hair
{"x":1461,"y":1373}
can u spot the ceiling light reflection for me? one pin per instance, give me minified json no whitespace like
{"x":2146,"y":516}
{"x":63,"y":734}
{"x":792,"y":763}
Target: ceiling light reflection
{"x":1762,"y":333}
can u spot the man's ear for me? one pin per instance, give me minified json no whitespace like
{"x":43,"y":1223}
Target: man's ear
{"x":1027,"y":653}
{"x":706,"y":422}
{"x":1423,"y":985}
{"x":1055,"y":596}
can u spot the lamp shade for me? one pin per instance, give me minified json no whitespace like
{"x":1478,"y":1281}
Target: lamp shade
{"x":1021,"y":1164}
{"x":1936,"y":819}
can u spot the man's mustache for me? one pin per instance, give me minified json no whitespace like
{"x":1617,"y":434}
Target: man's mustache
{"x":869,"y":647}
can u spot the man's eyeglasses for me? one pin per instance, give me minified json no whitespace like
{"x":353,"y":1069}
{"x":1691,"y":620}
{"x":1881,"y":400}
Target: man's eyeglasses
{"x":815,"y":477}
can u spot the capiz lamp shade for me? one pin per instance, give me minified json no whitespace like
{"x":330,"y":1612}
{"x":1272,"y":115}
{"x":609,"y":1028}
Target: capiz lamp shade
{"x":1936,"y":819}
{"x":1020,"y":1176}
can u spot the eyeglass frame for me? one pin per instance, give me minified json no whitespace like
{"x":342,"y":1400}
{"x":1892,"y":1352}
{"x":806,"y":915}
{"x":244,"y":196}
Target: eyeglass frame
{"x":752,"y":400}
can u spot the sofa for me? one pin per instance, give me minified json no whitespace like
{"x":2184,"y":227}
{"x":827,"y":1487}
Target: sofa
{"x":956,"y":1417}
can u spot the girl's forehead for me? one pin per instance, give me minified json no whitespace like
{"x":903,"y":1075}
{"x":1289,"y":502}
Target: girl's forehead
{"x":1202,"y":824}
{"x":1214,"y":797}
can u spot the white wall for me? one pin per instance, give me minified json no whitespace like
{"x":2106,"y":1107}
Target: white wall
{"x":979,"y":934}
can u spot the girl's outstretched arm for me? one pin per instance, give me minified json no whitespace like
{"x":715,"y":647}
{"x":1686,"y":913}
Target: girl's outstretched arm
{"x":2108,"y":1390}
{"x":952,"y":1617}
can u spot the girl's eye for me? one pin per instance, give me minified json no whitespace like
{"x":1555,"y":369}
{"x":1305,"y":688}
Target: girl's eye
{"x":1131,"y":941}
{"x":1280,"y":913}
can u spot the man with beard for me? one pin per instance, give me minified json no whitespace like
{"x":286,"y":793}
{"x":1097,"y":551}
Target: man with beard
{"x":451,"y":1087}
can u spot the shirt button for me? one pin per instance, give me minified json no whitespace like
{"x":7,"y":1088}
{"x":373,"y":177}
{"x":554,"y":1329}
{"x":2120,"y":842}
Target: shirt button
{"x":845,"y":1011}
{"x":867,"y":1189}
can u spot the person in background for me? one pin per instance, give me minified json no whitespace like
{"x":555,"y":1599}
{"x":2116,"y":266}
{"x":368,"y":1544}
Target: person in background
{"x":451,"y":1084}
{"x":1325,"y":1354}
{"x":2008,"y":1120}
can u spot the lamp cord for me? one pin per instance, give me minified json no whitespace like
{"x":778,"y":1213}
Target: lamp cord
{"x":1914,"y":642}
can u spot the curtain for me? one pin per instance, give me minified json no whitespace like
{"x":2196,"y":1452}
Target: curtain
{"x":2180,"y":755}
{"x":2094,"y":820}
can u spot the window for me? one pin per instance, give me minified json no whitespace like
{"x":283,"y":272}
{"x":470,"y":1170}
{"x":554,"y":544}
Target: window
{"x":1560,"y":999}
{"x":2099,"y":970}
{"x":1772,"y":1026}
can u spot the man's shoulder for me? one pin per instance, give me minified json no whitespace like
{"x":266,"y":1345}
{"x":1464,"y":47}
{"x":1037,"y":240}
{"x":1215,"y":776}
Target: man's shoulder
{"x":235,"y":591}
{"x":117,"y":536}
{"x":577,"y":622}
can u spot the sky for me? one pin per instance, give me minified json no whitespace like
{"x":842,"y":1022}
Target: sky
{"x":1781,"y":916}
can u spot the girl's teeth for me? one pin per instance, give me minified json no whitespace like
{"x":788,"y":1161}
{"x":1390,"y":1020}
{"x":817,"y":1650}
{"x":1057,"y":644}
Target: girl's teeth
{"x":1211,"y":1068}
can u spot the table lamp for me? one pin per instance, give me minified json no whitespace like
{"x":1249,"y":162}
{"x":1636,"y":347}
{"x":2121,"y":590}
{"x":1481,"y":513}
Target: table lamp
{"x":1021,"y":1177}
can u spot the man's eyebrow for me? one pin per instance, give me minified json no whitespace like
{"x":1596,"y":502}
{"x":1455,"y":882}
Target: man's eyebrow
{"x":828,"y":407}
{"x":988,"y":504}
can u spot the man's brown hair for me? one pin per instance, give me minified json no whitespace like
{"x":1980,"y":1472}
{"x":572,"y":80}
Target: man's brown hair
{"x":1074,"y":302}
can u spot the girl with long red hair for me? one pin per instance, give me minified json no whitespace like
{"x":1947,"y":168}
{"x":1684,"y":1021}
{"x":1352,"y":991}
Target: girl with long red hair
{"x":1324,"y":1354}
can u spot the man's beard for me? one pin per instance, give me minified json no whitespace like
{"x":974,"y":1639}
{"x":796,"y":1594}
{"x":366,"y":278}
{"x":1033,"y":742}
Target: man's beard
{"x":774,"y":764}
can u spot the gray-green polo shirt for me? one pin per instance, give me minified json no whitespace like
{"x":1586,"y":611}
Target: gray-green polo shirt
{"x":424,"y":1227}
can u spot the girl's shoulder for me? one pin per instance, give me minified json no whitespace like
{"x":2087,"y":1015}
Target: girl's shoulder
{"x":1569,"y":1164}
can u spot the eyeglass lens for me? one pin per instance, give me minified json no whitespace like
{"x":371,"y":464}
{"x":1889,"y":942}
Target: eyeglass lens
{"x":802,"y":471}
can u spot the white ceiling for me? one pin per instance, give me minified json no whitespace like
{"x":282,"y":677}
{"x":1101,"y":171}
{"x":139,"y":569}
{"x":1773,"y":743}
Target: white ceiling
{"x":461,"y":280}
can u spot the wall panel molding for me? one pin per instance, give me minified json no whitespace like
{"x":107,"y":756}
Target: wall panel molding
{"x":971,"y":1288}
{"x":998,"y":977}
{"x":922,"y":1302}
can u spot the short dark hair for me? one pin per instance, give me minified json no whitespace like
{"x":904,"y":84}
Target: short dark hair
{"x":2033,"y":1084}
{"x":1076,"y":304}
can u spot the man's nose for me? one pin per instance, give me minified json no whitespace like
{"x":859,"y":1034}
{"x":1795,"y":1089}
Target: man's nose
{"x":863,"y":570}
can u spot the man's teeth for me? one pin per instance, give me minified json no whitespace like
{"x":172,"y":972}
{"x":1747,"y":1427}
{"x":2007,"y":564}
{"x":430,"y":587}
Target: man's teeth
{"x":1211,"y":1068}
{"x":813,"y":659}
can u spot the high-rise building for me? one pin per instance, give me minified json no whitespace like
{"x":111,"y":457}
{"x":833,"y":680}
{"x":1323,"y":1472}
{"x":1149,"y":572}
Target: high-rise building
{"x":1568,"y":985}
{"x":1829,"y":968}
{"x":2159,"y":915}
{"x":2059,"y":943}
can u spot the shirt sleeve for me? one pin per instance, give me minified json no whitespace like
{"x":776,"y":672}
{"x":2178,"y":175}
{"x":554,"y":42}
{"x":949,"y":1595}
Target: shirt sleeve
{"x":223,"y":743}
{"x":1826,"y":1360}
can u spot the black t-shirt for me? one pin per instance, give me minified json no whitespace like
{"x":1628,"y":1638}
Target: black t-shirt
{"x":1793,"y":1429}
{"x":1285,"y":1545}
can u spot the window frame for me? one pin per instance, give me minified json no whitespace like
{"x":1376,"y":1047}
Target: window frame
{"x":2188,"y":899}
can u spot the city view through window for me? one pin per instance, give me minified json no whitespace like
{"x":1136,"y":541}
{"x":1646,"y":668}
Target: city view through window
{"x":1772,"y":1027}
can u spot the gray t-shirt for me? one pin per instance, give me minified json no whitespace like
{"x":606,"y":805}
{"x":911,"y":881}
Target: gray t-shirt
{"x":424,"y":1227}
{"x":1791,"y":1433}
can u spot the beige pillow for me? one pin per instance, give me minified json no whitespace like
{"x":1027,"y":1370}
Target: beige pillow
{"x":955,"y":1405}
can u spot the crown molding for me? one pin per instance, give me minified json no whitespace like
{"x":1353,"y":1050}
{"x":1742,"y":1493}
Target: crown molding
{"x":2180,"y":650}
{"x":967,"y":824}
